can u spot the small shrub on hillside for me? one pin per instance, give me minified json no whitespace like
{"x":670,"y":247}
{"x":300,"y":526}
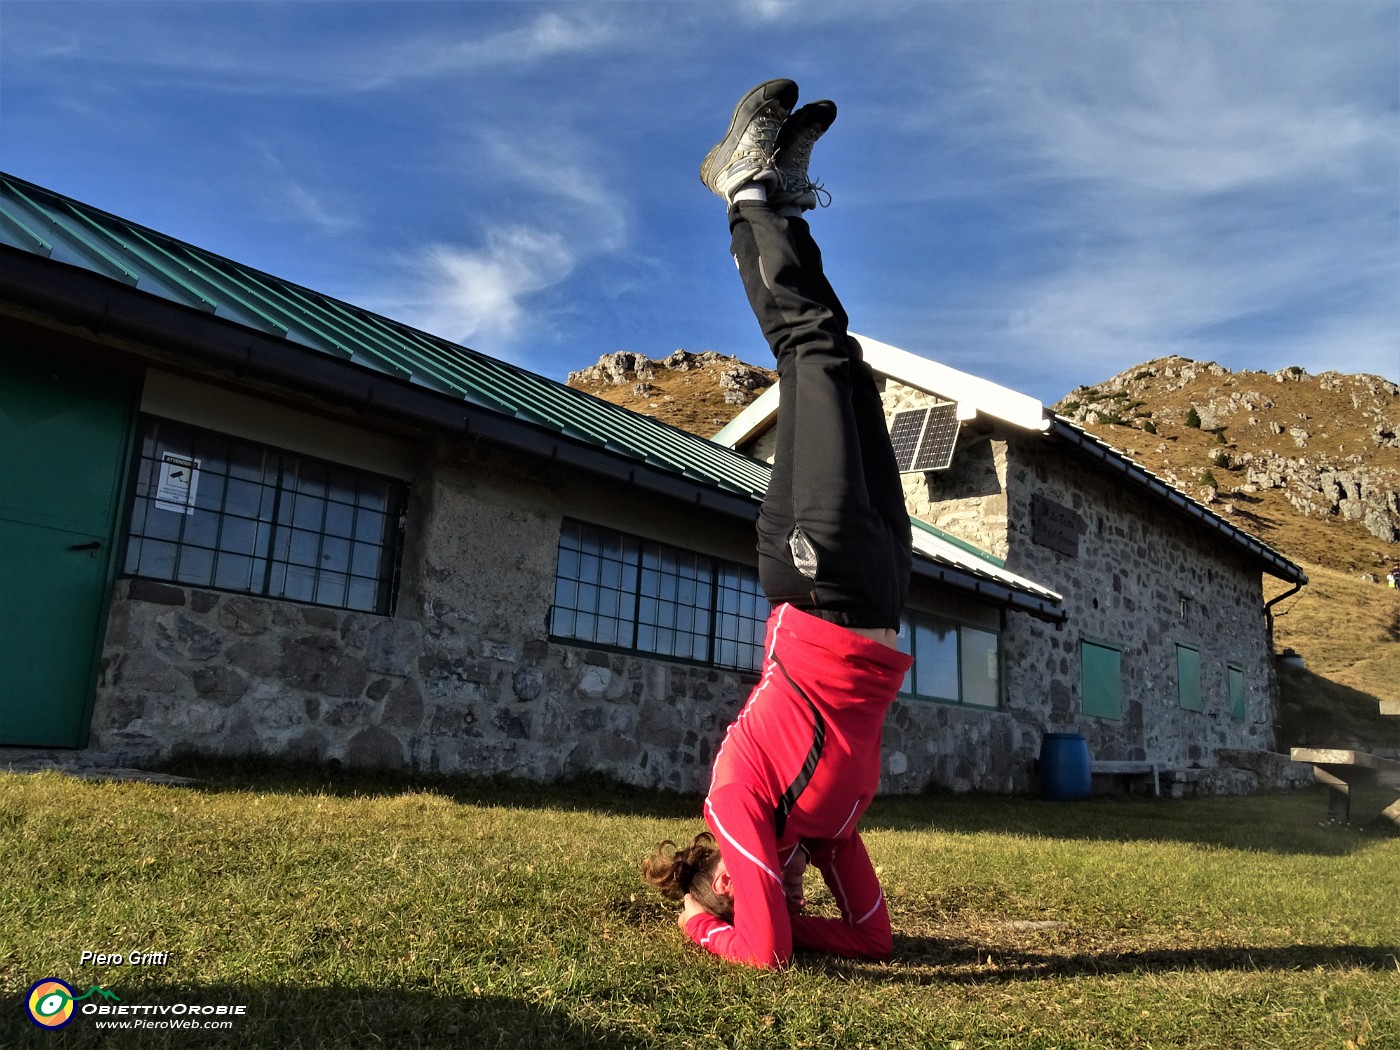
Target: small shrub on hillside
{"x":1193,"y":418}
{"x":1149,"y":426}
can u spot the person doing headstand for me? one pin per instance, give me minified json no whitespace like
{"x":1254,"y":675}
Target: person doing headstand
{"x":801,"y":762}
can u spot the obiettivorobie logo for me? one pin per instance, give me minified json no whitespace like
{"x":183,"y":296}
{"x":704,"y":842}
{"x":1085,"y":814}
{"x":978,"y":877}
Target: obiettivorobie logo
{"x":50,"y":1001}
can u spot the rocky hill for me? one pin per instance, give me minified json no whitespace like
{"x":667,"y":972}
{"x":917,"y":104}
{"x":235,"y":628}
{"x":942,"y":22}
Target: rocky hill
{"x":696,"y":392}
{"x":1309,"y":464}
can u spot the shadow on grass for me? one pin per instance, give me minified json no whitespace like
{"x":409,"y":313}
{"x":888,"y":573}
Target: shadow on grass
{"x":1318,"y":712}
{"x":1287,"y":823}
{"x":588,"y":793}
{"x":932,"y":960}
{"x":332,"y":1018}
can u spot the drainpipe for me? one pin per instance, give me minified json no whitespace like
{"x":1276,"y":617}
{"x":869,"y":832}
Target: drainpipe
{"x":1269,"y":608}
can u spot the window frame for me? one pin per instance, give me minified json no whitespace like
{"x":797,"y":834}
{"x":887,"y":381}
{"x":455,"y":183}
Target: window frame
{"x":912,"y":688}
{"x":279,"y":492}
{"x":664,"y":594}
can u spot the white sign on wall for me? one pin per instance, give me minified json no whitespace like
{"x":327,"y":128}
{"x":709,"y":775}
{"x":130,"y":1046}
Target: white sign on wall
{"x":177,"y":483}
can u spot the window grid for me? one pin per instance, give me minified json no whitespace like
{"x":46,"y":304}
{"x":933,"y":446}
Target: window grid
{"x":616,"y":590}
{"x":954,"y":663}
{"x":266,"y":522}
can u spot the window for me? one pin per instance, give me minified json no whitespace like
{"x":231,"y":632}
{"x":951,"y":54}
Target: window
{"x":1239,"y":707}
{"x":1188,"y":677}
{"x":214,"y":511}
{"x":616,"y":590}
{"x":1101,"y":677}
{"x":953,"y":662}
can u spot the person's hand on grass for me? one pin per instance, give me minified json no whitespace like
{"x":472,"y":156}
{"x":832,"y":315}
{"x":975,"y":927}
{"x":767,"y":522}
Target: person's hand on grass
{"x":688,"y":912}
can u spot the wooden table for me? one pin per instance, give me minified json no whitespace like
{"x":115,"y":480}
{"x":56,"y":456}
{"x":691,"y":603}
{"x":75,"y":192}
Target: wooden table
{"x":1342,"y":770}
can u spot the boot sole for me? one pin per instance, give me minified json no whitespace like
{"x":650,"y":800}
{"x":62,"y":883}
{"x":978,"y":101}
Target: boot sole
{"x":744,"y":112}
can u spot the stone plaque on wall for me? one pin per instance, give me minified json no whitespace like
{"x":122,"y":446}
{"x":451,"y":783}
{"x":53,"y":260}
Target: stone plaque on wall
{"x":1056,"y":527}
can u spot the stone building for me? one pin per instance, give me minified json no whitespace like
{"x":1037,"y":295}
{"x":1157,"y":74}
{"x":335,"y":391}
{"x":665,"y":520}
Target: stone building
{"x":238,"y":516}
{"x":1165,"y":654}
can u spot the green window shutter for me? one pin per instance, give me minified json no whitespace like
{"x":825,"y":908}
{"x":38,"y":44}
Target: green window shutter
{"x":1188,"y":677}
{"x":1101,"y":670}
{"x":1239,"y":709}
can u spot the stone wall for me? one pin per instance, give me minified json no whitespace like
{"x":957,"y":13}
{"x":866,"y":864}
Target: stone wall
{"x":1146,"y":579}
{"x":968,"y":499}
{"x":1134,"y":563}
{"x":463,"y":678}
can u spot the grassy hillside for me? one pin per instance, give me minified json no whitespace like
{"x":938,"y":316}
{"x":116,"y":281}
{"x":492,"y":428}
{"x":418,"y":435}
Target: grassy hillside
{"x":1310,"y":465}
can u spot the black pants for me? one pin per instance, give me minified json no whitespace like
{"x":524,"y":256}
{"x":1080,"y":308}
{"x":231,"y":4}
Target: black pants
{"x":833,"y":533}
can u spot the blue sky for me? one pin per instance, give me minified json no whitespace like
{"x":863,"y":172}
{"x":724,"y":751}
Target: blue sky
{"x":1040,"y":193}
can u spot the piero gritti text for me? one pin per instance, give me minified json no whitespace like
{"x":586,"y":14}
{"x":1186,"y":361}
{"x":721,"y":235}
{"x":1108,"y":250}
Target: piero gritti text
{"x":124,"y":959}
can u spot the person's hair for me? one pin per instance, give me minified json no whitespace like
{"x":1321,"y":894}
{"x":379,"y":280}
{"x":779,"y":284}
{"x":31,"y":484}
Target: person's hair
{"x":678,"y":870}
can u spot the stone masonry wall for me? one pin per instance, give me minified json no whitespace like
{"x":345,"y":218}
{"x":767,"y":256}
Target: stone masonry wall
{"x":968,"y":499}
{"x":1135,"y":562}
{"x":463,"y":678}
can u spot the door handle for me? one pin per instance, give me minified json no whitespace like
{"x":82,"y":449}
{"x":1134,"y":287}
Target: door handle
{"x":95,"y":545}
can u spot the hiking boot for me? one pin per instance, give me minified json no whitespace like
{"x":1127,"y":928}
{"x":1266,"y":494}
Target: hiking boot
{"x":793,"y":152}
{"x":745,"y":154}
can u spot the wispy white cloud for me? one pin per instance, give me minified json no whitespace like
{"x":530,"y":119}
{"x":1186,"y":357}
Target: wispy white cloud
{"x":488,"y":286}
{"x":209,"y":48}
{"x":480,"y":295}
{"x":291,"y":197}
{"x":1184,"y":171}
{"x":548,"y":35}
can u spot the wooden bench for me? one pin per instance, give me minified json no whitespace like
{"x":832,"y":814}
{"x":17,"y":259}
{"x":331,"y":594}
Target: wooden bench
{"x":1129,"y":771}
{"x":1342,"y":770}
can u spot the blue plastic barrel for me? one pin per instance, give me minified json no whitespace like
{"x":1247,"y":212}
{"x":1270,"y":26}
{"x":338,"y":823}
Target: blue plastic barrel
{"x":1064,"y":767}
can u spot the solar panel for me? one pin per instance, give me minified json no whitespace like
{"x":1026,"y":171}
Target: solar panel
{"x":923,"y":438}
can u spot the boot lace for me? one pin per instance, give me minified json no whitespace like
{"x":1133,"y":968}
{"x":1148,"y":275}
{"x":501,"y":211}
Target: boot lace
{"x":792,"y":168}
{"x":760,"y":136}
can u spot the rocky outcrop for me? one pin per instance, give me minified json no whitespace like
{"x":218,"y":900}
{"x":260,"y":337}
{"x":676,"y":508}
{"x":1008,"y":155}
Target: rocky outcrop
{"x":736,"y":380}
{"x":1323,"y":491}
{"x":1327,"y":443}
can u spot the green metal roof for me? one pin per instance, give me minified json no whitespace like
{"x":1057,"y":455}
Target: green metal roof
{"x":53,"y":227}
{"x":48,"y":224}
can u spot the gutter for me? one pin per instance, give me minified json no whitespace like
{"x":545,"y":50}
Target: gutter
{"x":1269,"y":605}
{"x":103,"y":306}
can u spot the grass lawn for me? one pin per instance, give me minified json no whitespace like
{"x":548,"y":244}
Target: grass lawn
{"x":368,"y":912}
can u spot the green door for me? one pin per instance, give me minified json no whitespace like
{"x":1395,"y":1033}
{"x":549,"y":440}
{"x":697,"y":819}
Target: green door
{"x":65,"y":428}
